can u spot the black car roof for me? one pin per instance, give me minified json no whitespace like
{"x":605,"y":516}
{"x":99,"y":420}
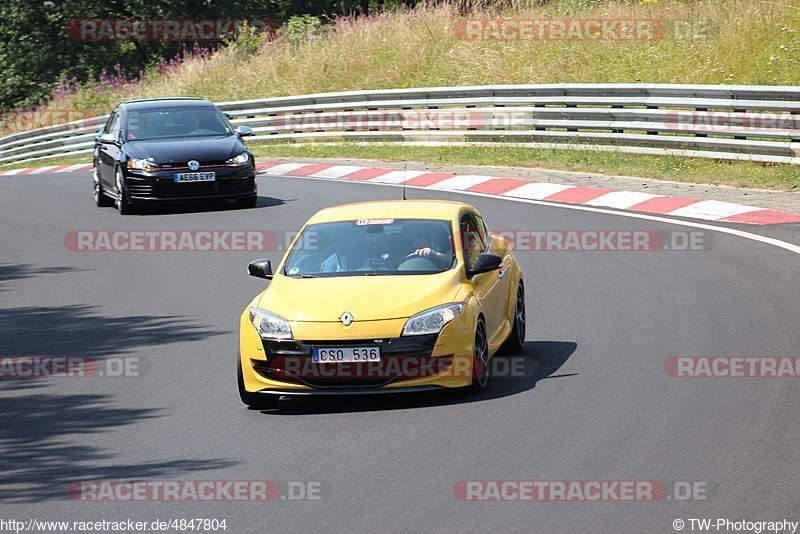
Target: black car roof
{"x":170,"y":102}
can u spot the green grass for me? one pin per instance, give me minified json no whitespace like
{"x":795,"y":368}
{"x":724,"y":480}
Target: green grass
{"x":693,"y":170}
{"x":73,"y":160}
{"x":680,"y":169}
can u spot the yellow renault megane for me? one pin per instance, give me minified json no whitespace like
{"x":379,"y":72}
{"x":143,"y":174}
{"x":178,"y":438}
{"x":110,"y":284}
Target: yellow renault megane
{"x":382,"y":297}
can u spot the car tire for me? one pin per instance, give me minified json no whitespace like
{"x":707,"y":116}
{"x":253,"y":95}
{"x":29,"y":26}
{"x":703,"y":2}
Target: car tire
{"x":101,"y":200}
{"x":247,"y":202}
{"x":123,"y":203}
{"x":480,"y":358}
{"x":257,"y":401}
{"x":516,"y":341}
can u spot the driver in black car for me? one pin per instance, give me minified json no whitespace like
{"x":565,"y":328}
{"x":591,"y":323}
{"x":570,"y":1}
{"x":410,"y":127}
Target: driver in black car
{"x":192,"y":124}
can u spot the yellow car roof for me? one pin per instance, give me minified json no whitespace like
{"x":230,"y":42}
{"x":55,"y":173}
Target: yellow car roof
{"x":392,"y":209}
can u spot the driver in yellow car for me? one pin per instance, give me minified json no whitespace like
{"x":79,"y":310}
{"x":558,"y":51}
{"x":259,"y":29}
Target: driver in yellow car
{"x":426,"y":244}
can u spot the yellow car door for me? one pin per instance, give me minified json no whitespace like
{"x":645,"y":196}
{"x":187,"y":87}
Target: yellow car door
{"x":488,"y":286}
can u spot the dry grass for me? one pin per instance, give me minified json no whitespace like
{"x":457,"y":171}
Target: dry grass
{"x":734,"y":42}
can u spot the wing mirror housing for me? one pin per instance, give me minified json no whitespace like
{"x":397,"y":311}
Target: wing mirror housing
{"x":260,"y":269}
{"x":486,"y":262}
{"x":107,"y":139}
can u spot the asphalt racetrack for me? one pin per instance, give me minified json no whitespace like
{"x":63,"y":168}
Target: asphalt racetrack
{"x":596,"y":402}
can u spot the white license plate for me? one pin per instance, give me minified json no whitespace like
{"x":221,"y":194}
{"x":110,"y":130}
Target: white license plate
{"x":345,"y":354}
{"x":195,"y":177}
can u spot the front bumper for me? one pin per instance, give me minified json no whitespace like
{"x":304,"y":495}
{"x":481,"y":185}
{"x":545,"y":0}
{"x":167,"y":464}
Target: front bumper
{"x":350,"y":391}
{"x":408,"y":364}
{"x":402,"y":359}
{"x":231,"y":182}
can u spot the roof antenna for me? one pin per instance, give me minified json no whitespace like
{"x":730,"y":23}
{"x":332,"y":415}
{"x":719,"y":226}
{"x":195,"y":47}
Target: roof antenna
{"x":405,"y":175}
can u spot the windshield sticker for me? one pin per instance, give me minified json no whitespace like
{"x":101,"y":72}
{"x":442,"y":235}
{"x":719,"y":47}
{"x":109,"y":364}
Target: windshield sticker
{"x":365,"y":222}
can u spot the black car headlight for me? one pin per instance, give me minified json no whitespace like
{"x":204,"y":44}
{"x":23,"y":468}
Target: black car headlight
{"x":147,"y":165}
{"x":239,"y":161}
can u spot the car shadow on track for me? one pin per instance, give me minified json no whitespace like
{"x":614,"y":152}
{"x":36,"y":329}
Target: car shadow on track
{"x":180,"y":207}
{"x":512,"y":374}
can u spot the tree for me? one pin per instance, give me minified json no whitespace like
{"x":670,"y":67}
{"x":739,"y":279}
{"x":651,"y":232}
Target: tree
{"x":36,"y":48}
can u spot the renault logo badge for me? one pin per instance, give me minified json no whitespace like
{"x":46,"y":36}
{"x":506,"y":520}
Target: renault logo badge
{"x":346,"y":318}
{"x":194,"y":165}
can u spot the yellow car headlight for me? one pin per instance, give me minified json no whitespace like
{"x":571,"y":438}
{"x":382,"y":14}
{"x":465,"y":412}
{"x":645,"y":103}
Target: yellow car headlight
{"x":269,"y":325}
{"x":433,"y":320}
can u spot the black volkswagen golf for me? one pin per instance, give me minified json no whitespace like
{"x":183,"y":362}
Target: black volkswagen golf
{"x":171,"y":149}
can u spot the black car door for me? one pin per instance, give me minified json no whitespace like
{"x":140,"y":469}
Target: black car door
{"x":108,"y":153}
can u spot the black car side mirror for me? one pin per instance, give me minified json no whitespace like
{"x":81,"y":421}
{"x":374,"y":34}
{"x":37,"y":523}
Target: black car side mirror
{"x":242,"y":131}
{"x":486,"y":262}
{"x":260,"y":269}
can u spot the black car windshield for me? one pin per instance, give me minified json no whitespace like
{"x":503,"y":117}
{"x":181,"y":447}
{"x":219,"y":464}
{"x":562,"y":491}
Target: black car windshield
{"x":372,"y":247}
{"x":175,"y":122}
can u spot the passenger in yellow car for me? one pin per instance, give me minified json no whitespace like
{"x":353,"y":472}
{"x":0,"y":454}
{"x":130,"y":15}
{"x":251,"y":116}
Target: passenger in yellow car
{"x":346,"y":256}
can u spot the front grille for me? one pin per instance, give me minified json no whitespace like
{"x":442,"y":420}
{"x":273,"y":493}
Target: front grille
{"x":182,"y":165}
{"x":401,"y":359}
{"x":169,"y":189}
{"x":145,"y":190}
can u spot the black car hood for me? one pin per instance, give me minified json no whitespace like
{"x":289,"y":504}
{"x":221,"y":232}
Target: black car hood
{"x":202,"y":149}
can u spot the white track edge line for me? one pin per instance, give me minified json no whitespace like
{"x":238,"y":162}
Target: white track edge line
{"x":703,"y":226}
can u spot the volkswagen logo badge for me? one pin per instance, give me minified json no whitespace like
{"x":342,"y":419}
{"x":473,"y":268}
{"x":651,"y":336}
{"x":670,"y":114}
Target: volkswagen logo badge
{"x":194,"y":165}
{"x":346,"y":318}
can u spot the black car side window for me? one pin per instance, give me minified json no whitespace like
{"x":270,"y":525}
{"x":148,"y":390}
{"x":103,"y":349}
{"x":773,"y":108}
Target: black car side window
{"x":113,"y":128}
{"x":107,"y":125}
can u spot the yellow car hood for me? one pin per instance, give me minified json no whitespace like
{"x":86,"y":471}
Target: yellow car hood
{"x":367,"y":298}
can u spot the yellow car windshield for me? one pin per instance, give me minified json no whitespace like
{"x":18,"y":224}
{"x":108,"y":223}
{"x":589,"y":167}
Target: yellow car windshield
{"x":372,"y":247}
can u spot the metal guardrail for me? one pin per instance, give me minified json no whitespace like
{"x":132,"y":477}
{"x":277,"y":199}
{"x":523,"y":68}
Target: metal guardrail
{"x":758,"y":123}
